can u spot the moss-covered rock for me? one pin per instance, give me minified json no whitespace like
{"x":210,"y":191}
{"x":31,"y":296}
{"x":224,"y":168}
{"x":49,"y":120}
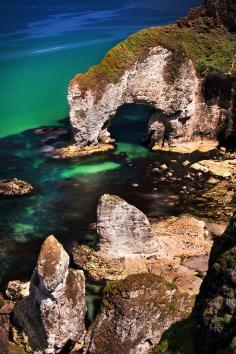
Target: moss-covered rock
{"x":213,"y":49}
{"x":215,"y":309}
{"x":134,"y":314}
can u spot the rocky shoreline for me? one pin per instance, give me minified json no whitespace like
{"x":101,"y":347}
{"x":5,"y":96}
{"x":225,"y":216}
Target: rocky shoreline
{"x":160,"y":276}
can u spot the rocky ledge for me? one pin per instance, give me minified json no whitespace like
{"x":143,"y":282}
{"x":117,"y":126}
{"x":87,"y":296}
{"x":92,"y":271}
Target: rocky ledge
{"x":11,"y":187}
{"x":128,"y":244}
{"x":185,"y":72}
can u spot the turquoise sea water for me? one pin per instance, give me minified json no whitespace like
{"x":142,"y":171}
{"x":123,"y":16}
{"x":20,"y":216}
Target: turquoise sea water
{"x":42,"y":46}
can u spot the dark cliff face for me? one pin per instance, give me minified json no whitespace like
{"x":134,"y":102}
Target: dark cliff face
{"x":215,"y":308}
{"x":222,"y":10}
{"x":220,"y":89}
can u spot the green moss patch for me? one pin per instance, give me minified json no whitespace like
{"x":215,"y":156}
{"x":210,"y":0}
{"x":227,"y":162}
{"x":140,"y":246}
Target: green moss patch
{"x":213,"y":48}
{"x":177,"y":339}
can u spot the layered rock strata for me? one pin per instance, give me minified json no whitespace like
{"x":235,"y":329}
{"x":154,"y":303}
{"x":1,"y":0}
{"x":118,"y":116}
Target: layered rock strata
{"x":215,"y":309}
{"x":57,"y":295}
{"x":134,"y":314}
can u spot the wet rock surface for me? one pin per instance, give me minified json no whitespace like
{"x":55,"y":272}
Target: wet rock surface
{"x":15,"y":187}
{"x":57,"y":295}
{"x":215,"y":307}
{"x":134,"y":314}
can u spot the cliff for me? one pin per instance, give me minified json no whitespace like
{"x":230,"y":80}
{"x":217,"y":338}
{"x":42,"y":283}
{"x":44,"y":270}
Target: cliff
{"x":215,"y":308}
{"x":164,"y":67}
{"x":224,"y":11}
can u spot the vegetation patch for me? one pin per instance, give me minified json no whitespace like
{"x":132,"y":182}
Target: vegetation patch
{"x":213,"y":48}
{"x":177,"y":339}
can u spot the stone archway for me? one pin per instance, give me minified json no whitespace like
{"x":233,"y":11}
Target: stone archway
{"x":157,"y":81}
{"x":171,"y":86}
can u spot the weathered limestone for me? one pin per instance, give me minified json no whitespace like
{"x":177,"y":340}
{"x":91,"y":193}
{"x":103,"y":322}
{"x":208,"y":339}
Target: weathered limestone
{"x":134,"y":314}
{"x":174,"y":102}
{"x":186,"y":107}
{"x":54,"y":312}
{"x":15,"y":187}
{"x":123,"y":230}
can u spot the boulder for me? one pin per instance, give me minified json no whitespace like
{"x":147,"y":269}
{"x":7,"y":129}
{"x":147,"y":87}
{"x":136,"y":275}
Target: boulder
{"x":15,"y":187}
{"x":53,"y":314}
{"x":134,"y":314}
{"x":123,"y":229}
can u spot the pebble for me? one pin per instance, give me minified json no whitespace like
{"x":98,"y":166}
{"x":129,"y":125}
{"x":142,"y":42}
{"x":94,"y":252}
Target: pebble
{"x":186,"y":163}
{"x":135,"y":185}
{"x":164,"y":167}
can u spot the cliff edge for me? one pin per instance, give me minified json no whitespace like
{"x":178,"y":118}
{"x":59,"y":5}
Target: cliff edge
{"x":166,"y":68}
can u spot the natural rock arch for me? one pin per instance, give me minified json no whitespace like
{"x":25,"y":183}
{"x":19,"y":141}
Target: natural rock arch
{"x":169,"y":86}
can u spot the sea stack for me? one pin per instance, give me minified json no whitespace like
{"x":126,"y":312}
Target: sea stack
{"x":54,"y":312}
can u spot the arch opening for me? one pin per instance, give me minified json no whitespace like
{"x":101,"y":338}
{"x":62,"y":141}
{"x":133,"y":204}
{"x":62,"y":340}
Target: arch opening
{"x":130,"y":124}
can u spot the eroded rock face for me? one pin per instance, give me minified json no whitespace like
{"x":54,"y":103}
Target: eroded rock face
{"x":147,"y":82}
{"x":123,"y":229}
{"x":134,"y":314}
{"x":54,"y":312}
{"x":223,"y":10}
{"x":171,"y":87}
{"x":215,"y":308}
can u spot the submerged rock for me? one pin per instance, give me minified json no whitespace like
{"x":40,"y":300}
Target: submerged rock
{"x":53,"y":314}
{"x":134,"y":314}
{"x":75,"y":151}
{"x":15,"y":187}
{"x":215,"y":309}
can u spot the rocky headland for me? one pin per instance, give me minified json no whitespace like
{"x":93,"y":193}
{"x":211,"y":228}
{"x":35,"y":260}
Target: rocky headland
{"x":184,"y":71}
{"x":150,"y":269}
